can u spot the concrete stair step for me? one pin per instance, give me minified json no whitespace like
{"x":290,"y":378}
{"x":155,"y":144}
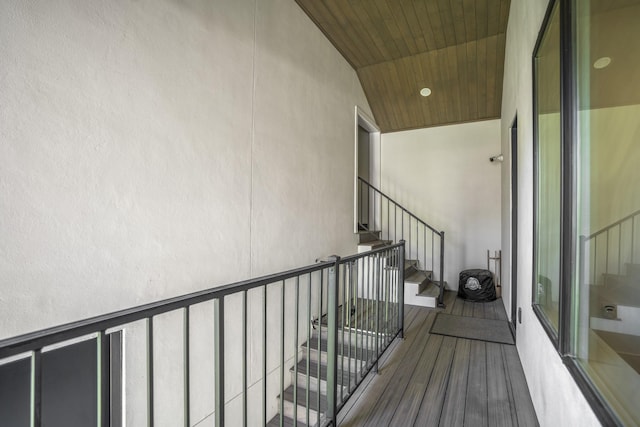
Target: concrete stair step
{"x":365,"y":236}
{"x":296,"y":409}
{"x":350,"y":356}
{"x":287,"y":422}
{"x":427,"y":297}
{"x":319,"y":383}
{"x":374,"y":244}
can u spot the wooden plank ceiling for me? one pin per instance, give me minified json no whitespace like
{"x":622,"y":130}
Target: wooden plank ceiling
{"x":454,"y":47}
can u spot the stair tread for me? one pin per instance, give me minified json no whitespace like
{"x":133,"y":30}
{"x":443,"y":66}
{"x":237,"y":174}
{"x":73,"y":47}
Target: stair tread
{"x":431,"y":291}
{"x":287,"y":422}
{"x":418,"y":277}
{"x":313,"y":371}
{"x":375,"y":243}
{"x":323,"y":347}
{"x":302,"y":397}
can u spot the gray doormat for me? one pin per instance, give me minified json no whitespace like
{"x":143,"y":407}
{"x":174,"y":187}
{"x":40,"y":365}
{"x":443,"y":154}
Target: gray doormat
{"x":472,"y":328}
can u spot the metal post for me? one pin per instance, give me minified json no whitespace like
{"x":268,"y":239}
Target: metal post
{"x":104,"y":401}
{"x":332,"y":341}
{"x":441,"y":295}
{"x":36,"y":388}
{"x":218,"y":338}
{"x":400,"y":262}
{"x":150,"y":391}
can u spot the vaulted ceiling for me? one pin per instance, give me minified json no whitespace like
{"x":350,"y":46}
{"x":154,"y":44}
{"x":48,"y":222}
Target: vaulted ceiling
{"x":397,"y":47}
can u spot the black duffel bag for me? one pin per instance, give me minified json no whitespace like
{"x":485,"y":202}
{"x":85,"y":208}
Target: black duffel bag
{"x":477,"y":285}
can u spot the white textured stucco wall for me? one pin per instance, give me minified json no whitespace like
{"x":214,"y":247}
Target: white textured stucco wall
{"x":444,"y":176}
{"x":155,"y":147}
{"x":557,"y":399}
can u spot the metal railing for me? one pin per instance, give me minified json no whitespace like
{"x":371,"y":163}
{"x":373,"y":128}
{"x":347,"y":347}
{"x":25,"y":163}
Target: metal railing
{"x":606,"y":250}
{"x":378,"y":212}
{"x":329,"y":323}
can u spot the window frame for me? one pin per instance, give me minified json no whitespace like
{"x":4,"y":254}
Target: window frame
{"x":563,"y":339}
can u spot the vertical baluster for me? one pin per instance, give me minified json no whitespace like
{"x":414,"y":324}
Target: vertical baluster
{"x":351,"y":317}
{"x":186,"y":374}
{"x":218,"y":342}
{"x":633,"y":238}
{"x":433,"y":253}
{"x":441,"y":294}
{"x":367,"y":327}
{"x":388,"y":217}
{"x":36,"y":388}
{"x":104,"y":379}
{"x":332,"y":340}
{"x":424,"y":248}
{"x":395,"y":223}
{"x":309,"y":325}
{"x":376,"y":300}
{"x":150,"y":394}
{"x":264,"y":354}
{"x":343,"y":323}
{"x":360,"y":213}
{"x":595,"y":258}
{"x":319,"y":333}
{"x":619,"y":247}
{"x":245,"y":385}
{"x":282,"y":320}
{"x":417,"y":242}
{"x":401,"y":289}
{"x":359,"y":279}
{"x":295,"y":351}
{"x":606,"y":254}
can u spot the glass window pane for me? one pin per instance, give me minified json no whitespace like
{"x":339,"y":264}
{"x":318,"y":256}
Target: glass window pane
{"x":547,"y":239}
{"x":607,"y":323}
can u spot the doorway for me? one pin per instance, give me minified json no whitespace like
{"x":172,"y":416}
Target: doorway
{"x":514,"y":224}
{"x":367,"y":167}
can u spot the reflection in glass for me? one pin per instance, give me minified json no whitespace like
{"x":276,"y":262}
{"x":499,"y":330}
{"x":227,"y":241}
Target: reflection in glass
{"x":608,"y":273}
{"x":547,"y":239}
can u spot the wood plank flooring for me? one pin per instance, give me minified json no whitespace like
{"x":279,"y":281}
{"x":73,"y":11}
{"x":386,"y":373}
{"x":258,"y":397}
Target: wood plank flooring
{"x":432,"y":380}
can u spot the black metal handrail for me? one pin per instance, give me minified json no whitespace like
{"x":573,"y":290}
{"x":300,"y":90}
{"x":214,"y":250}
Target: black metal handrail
{"x":367,"y":282}
{"x":372,"y":214}
{"x":399,"y":206}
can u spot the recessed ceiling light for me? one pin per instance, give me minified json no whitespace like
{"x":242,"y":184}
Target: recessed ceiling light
{"x":601,"y":62}
{"x":425,"y":91}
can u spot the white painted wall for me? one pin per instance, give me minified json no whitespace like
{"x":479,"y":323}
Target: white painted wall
{"x":444,"y":176}
{"x":557,"y":399}
{"x":155,"y":147}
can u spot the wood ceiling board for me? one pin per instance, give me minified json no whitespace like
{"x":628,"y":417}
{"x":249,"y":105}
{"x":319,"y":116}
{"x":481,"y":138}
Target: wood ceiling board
{"x":340,"y":19}
{"x":469,"y":9}
{"x":481,"y":61}
{"x":454,"y":82}
{"x":455,"y":47}
{"x":420,"y":9}
{"x":472,"y":80}
{"x":457,"y":10}
{"x":446,"y":17}
{"x":414,"y":25}
{"x":406,"y":32}
{"x":492,"y":62}
{"x":482,"y":27}
{"x":433,"y":14}
{"x":373,"y":30}
{"x":504,"y":15}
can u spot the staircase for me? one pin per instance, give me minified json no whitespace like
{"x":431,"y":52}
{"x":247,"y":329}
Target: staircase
{"x":419,"y":287}
{"x":356,"y":355}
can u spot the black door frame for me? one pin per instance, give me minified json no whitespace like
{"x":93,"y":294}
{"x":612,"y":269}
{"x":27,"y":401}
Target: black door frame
{"x":514,"y":224}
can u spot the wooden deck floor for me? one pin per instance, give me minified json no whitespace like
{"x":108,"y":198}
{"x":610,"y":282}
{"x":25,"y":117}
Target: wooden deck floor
{"x":433,"y":380}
